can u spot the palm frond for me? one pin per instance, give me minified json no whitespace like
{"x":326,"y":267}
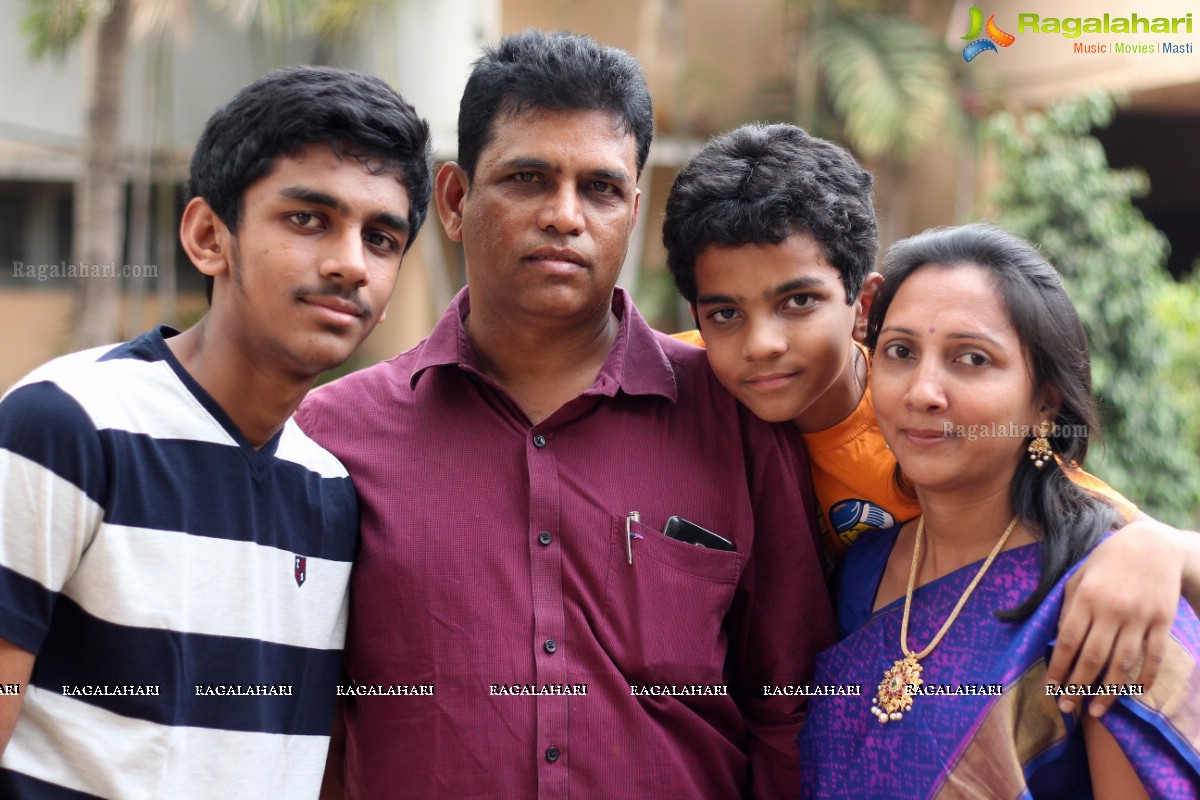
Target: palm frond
{"x":52,"y":26}
{"x":889,"y":81}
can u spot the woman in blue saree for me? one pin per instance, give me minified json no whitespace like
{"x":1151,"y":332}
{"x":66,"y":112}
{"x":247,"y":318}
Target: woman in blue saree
{"x":982,"y":387}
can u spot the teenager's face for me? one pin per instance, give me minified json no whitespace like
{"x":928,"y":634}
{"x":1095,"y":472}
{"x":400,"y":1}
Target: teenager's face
{"x":778,"y":329}
{"x":314,"y":260}
{"x":547,"y":219}
{"x":952,"y":387}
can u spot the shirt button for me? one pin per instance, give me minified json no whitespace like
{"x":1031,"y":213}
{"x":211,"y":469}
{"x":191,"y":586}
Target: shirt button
{"x":539,"y":441}
{"x":550,"y":645}
{"x":545,"y":538}
{"x":552,"y":754}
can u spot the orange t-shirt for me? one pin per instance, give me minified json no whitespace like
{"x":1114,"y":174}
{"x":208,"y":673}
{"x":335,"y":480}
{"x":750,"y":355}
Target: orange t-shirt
{"x":852,"y":474}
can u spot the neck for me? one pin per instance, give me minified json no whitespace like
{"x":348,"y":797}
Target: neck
{"x":258,"y":402}
{"x":959,"y":532}
{"x":840,"y":399}
{"x":541,"y":365}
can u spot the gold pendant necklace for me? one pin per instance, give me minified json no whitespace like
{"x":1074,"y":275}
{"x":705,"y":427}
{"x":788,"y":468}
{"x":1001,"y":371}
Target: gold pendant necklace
{"x":897,"y":689}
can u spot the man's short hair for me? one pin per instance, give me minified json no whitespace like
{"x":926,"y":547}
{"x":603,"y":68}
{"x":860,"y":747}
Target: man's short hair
{"x":760,"y":184}
{"x":281,"y":113}
{"x":535,"y":70}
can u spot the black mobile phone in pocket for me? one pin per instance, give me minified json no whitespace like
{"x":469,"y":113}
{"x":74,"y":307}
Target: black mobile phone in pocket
{"x":690,"y":533}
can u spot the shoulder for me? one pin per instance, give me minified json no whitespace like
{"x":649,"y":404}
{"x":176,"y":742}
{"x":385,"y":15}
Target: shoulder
{"x":683,"y":354}
{"x":54,"y":409}
{"x":860,"y":574}
{"x":367,"y":391}
{"x":349,"y":418}
{"x":296,"y":447}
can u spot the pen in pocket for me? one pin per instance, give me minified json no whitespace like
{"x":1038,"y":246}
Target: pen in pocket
{"x":630,"y":535}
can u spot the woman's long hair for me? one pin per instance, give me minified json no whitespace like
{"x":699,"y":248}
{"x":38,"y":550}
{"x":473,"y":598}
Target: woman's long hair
{"x":1069,"y":519}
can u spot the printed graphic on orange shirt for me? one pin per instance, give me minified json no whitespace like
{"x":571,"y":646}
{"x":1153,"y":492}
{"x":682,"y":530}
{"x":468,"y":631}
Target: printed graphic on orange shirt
{"x":851,"y":517}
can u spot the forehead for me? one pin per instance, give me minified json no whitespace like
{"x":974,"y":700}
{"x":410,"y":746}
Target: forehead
{"x":560,"y":134}
{"x":752,"y":266}
{"x":965,"y":296}
{"x":336,"y":168}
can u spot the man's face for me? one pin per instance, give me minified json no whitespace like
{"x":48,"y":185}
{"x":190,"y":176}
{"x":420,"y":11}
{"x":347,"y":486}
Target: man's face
{"x":310,"y":270}
{"x":547,"y":219}
{"x":778,"y":328}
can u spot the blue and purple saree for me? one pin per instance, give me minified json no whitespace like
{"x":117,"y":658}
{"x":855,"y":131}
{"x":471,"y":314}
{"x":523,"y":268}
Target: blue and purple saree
{"x":974,"y":739}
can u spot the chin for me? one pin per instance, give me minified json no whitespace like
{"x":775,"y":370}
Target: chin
{"x":772,"y":413}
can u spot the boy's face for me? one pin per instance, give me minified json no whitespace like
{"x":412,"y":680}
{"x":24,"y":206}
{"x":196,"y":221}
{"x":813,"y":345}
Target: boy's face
{"x":309,"y":272}
{"x":779,"y":330}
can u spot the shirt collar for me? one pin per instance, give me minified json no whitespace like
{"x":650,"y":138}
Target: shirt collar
{"x":636,"y":364}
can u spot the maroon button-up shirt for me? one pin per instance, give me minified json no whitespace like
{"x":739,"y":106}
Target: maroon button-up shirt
{"x":494,"y":571}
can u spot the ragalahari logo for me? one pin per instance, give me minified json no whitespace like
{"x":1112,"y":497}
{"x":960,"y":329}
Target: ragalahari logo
{"x":995,"y":36}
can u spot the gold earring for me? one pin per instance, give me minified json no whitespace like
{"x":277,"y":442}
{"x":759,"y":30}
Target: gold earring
{"x":1039,"y":448}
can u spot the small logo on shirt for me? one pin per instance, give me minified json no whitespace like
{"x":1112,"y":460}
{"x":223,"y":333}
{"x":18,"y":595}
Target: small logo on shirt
{"x":301,"y":570}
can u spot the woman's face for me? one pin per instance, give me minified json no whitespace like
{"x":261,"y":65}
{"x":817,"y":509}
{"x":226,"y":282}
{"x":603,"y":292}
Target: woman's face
{"x":953,"y":391}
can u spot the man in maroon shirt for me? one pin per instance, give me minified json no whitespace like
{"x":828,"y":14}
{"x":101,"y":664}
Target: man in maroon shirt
{"x":523,"y":625}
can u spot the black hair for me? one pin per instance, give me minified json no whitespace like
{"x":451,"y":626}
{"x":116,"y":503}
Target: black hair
{"x":281,"y":113}
{"x":760,"y":184}
{"x":1068,"y":519}
{"x":535,"y":70}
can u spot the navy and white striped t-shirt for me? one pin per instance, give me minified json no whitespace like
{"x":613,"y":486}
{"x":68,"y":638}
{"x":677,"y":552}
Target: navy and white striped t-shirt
{"x":185,"y":594}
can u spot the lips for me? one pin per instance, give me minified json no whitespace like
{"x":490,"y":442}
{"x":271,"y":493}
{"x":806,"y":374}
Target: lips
{"x":336,"y":310}
{"x":769,"y":382}
{"x":926,"y":437}
{"x":557,"y":256}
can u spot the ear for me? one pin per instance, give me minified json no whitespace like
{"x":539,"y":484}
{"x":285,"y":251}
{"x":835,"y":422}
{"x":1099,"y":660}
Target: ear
{"x":450,"y":191}
{"x":637,"y":204}
{"x":205,"y":237}
{"x":1051,"y":403}
{"x":865,"y":298}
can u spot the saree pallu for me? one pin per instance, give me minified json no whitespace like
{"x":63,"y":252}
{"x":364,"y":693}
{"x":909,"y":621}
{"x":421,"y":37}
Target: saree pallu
{"x":992,"y":729}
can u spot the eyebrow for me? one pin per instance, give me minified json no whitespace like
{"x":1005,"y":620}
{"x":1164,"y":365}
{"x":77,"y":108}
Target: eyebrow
{"x":306,"y":195}
{"x":800,"y":284}
{"x":611,"y":175}
{"x":970,"y":336}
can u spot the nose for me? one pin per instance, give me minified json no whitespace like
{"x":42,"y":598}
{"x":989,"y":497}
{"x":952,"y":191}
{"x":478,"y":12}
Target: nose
{"x":926,"y":389}
{"x":562,"y":212}
{"x":765,"y":339}
{"x":344,"y":259}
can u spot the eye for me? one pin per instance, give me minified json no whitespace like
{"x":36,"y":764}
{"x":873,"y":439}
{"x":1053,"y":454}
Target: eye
{"x":973,"y":359}
{"x":721,"y":316}
{"x":603,"y":187}
{"x":525,"y":177}
{"x":801,"y":301}
{"x":305,"y":219}
{"x":897,"y":351}
{"x":382,"y":241}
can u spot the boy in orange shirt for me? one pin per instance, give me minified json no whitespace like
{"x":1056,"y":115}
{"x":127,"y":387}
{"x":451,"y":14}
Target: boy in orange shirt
{"x":771,"y":237}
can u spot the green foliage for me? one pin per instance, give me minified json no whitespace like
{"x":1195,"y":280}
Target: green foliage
{"x":52,"y":26}
{"x":1177,"y":310}
{"x":888,"y":78}
{"x":1058,"y":191}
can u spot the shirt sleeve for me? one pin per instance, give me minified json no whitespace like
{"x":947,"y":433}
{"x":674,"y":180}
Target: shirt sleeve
{"x":781,"y":616}
{"x":53,"y":481}
{"x":1086,"y":480}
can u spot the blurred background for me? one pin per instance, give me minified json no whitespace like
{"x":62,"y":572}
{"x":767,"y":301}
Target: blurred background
{"x":1091,"y":155}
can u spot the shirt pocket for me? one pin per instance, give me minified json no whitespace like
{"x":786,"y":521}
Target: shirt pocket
{"x":664,"y":613}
